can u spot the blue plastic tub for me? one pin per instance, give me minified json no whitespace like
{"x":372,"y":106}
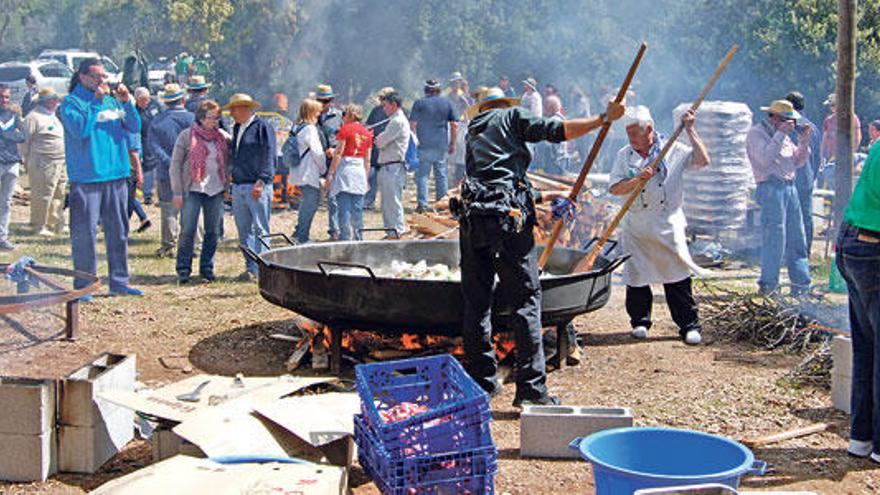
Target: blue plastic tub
{"x":627,"y":459}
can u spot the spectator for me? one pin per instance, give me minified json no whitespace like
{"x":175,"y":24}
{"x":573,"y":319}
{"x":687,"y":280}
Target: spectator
{"x":280,"y":104}
{"x":829,"y":140}
{"x":253,"y":168}
{"x":558,"y":158}
{"x":160,"y":145}
{"x":775,"y":160}
{"x":873,"y":132}
{"x":347,"y":178}
{"x":531,"y":99}
{"x":43,"y":153}
{"x":329,"y":123}
{"x":97,"y":164}
{"x":198,"y":181}
{"x":392,"y":143}
{"x":858,"y":258}
{"x":148,"y":108}
{"x":30,"y":94}
{"x":136,"y":179}
{"x":12,"y":133}
{"x":312,"y":165}
{"x":376,"y":122}
{"x":433,"y":120}
{"x":805,"y":178}
{"x":197,"y":90}
{"x":504,"y":84}
{"x":184,"y":67}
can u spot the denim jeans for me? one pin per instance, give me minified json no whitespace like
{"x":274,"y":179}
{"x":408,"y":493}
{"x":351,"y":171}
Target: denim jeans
{"x":782,"y":236}
{"x":107,"y":202}
{"x":332,"y":218}
{"x":392,"y":181}
{"x":351,"y":215}
{"x":804,"y":184}
{"x":8,"y":178}
{"x":308,"y":206}
{"x":372,"y":181}
{"x":858,"y":259}
{"x":430,"y":159}
{"x":251,"y":218}
{"x":212,"y":208}
{"x":147,"y":186}
{"x":134,"y":206}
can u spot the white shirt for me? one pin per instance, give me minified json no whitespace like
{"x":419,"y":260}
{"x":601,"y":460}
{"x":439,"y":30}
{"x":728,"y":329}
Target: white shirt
{"x":663,"y":192}
{"x":533,"y":102}
{"x":212,"y":184}
{"x":394,"y":140}
{"x":313,"y":165}
{"x":242,"y":128}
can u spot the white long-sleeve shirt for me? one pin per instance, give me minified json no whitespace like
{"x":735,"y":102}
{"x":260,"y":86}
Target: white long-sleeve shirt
{"x":313,"y":164}
{"x":394,"y":140}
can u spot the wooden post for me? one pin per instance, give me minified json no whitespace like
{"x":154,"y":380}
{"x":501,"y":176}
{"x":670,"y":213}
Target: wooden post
{"x":846,"y":66}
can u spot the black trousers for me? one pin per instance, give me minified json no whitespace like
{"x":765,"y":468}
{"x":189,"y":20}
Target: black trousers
{"x":487,"y":249}
{"x":679,"y":298}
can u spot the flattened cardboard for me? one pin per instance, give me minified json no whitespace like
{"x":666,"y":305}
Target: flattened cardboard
{"x":317,"y":419}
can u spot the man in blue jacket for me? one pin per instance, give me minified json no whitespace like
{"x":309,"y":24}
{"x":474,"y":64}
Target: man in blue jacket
{"x":253,"y":168}
{"x":95,"y":126}
{"x":11,"y":134}
{"x":160,"y":144}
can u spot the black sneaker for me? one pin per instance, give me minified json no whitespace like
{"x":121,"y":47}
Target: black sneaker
{"x":545,"y":400}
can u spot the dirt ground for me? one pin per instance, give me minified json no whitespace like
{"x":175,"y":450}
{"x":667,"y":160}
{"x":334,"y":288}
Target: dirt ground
{"x":224,"y":328}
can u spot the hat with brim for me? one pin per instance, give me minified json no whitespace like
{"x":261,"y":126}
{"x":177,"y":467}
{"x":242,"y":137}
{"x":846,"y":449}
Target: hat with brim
{"x":324,"y":92}
{"x":530,"y":82}
{"x":172,"y":93}
{"x":241,"y":100}
{"x":492,"y":95}
{"x":197,"y":83}
{"x":456,"y":76}
{"x":782,"y":108}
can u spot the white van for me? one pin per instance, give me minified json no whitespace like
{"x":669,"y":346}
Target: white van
{"x":46,"y":72}
{"x":73,"y":57}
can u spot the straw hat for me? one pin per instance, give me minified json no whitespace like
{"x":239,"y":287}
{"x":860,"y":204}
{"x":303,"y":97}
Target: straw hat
{"x":197,"y":83}
{"x":531,"y":82}
{"x":324,"y":92}
{"x":491,"y":95}
{"x":456,"y":76}
{"x":241,"y":100}
{"x":782,"y":108}
{"x":172,"y":92}
{"x":47,"y":93}
{"x":384,"y":91}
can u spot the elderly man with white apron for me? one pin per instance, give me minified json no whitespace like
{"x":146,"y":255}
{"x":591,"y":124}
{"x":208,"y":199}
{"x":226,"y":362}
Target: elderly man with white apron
{"x":654,"y":227}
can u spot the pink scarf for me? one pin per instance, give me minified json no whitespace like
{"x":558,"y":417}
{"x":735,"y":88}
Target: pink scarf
{"x":199,"y":138}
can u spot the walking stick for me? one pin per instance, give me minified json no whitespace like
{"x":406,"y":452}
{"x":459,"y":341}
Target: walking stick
{"x":588,"y":163}
{"x":586,"y":264}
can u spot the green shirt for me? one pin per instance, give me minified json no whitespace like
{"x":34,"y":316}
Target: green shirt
{"x":864,"y":208}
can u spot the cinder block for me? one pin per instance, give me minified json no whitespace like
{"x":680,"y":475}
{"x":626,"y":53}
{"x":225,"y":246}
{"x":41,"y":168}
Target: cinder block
{"x":167,"y":444}
{"x":27,"y":457}
{"x":546,"y":431}
{"x":841,"y":391}
{"x":84,"y":449}
{"x":80,"y":405}
{"x":841,"y":355}
{"x":28,"y":406}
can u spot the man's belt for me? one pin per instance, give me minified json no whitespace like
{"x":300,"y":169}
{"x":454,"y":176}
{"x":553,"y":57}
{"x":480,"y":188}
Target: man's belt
{"x":389,"y":163}
{"x":873,"y":234}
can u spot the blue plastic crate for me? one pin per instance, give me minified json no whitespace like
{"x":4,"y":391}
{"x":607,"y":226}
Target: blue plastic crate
{"x":457,"y":417}
{"x":469,"y":471}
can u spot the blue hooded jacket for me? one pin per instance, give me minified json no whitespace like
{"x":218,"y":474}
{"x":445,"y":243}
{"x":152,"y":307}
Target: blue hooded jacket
{"x":95,"y":135}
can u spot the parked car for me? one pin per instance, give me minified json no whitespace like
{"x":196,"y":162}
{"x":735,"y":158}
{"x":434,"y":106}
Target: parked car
{"x":47,"y":73}
{"x":73,"y":57}
{"x":156,"y":73}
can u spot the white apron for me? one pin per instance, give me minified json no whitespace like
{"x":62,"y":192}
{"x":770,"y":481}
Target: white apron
{"x":654,"y":228}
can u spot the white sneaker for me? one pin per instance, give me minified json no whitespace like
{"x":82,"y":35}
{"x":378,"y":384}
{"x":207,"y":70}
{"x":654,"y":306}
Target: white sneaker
{"x":875,"y":457}
{"x":44,"y":232}
{"x":692,"y":337}
{"x":640,"y":332}
{"x":859,"y":448}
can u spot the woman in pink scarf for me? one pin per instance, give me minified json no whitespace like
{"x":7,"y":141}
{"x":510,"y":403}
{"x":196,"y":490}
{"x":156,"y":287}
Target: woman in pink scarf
{"x":198,"y":181}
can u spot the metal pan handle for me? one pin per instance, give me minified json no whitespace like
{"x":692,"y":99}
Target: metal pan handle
{"x":264,"y":239}
{"x":392,"y":232}
{"x":613,"y":265}
{"x":251,"y":255}
{"x":610,"y":244}
{"x":346,"y":265}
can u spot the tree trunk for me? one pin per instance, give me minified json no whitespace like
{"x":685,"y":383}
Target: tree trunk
{"x":846,"y":64}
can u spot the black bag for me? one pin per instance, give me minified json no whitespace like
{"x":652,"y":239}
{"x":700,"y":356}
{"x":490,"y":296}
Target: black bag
{"x":290,"y":154}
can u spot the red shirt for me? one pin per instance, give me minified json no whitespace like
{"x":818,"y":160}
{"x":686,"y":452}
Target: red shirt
{"x":358,"y":140}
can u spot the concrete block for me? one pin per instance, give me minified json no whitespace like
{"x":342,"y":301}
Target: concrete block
{"x":167,"y":444}
{"x":27,"y":457}
{"x":28,"y":406}
{"x":546,"y":431}
{"x":841,"y":355}
{"x":79,"y":404}
{"x":84,"y":449}
{"x":841,"y":391}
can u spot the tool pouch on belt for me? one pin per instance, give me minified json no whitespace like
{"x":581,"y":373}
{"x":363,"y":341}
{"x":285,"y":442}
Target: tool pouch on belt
{"x":514,"y":207}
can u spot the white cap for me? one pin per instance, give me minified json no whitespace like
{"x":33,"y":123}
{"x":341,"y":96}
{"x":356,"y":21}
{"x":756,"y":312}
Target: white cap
{"x":639,"y":115}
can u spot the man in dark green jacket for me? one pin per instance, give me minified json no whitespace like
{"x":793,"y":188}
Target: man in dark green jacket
{"x":497,"y":219}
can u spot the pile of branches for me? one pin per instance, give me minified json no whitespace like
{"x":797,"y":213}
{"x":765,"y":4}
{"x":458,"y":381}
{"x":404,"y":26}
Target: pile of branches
{"x":771,"y":323}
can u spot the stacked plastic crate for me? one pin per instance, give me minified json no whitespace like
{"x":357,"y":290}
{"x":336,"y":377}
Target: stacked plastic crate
{"x":424,"y":428}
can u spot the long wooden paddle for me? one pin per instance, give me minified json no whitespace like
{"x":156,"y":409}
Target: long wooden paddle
{"x":588,"y":163}
{"x":586,"y":264}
